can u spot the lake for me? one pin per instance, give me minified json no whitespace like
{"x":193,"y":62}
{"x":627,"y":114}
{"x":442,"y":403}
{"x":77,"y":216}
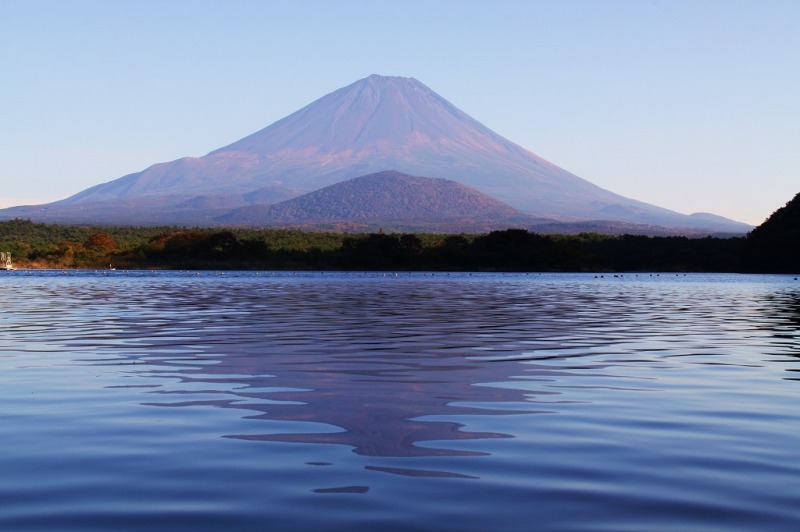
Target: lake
{"x":398,"y":401}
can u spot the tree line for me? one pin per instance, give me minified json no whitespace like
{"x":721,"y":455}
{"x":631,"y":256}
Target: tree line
{"x":36,"y":245}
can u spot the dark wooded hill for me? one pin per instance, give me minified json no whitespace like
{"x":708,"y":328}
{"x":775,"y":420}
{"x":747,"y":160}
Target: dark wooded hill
{"x":774,"y":246}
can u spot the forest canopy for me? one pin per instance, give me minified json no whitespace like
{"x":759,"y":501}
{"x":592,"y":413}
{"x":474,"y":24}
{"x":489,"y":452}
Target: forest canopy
{"x":36,"y":245}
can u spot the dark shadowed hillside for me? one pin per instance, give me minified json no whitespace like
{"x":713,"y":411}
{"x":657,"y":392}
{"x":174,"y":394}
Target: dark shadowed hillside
{"x":774,"y":246}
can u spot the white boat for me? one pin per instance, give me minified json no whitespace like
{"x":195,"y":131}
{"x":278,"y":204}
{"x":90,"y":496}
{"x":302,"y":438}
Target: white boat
{"x":5,"y":261}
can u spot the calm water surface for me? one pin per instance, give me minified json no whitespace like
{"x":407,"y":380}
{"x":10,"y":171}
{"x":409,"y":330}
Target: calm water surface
{"x":288,"y":401}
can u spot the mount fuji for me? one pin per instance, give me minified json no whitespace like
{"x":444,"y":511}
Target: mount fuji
{"x":374,"y":125}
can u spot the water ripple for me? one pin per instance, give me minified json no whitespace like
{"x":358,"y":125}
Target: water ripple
{"x":572,"y":401}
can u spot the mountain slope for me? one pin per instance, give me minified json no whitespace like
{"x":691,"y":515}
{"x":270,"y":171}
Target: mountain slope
{"x":375,"y":124}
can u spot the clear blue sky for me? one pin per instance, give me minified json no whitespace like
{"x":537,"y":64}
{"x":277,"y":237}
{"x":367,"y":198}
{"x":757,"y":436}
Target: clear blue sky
{"x":690,"y":105}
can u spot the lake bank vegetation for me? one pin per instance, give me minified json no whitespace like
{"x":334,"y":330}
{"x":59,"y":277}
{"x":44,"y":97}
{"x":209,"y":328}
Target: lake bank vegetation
{"x":37,"y":245}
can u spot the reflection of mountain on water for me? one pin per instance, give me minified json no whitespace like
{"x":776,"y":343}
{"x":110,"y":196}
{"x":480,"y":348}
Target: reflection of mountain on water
{"x":378,"y":407}
{"x":390,"y":366}
{"x":362,"y":371}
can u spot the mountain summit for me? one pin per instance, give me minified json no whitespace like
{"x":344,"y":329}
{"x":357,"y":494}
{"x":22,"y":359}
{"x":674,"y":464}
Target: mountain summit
{"x":373,"y":125}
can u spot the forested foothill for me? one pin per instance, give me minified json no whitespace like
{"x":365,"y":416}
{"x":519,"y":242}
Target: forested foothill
{"x":772,"y":247}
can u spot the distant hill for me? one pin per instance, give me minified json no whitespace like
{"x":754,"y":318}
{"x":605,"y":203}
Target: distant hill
{"x":389,"y":200}
{"x":774,"y":246}
{"x":373,"y":125}
{"x":398,"y":202}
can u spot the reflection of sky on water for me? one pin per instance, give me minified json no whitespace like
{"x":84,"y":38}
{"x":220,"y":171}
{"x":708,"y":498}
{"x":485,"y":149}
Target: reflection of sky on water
{"x":354,"y":367}
{"x":385,"y":365}
{"x":482,"y":402}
